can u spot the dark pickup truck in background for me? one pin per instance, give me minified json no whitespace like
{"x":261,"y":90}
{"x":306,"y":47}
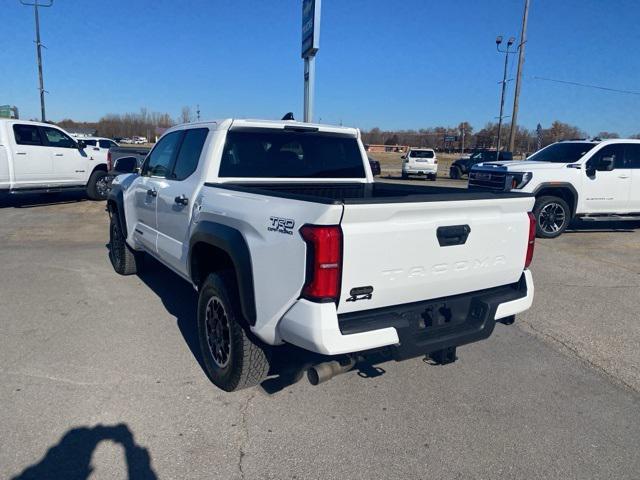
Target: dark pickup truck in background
{"x":124,"y":160}
{"x":462,"y":166}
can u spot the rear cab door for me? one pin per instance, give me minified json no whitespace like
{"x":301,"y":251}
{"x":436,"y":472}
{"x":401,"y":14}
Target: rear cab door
{"x":154,"y":171}
{"x":176,"y":198}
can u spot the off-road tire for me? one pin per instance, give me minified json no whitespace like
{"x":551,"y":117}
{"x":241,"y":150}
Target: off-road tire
{"x":124,"y":259}
{"x":95,"y":188}
{"x":247,"y":359}
{"x":544,"y":227}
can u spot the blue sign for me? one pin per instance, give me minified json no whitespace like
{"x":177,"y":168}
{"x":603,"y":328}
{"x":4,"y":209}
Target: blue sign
{"x":310,"y":27}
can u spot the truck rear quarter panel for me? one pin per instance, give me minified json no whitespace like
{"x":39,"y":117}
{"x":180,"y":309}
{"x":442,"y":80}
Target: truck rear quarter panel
{"x":270,"y":227}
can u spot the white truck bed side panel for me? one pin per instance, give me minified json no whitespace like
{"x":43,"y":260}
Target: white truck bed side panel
{"x":277,"y":258}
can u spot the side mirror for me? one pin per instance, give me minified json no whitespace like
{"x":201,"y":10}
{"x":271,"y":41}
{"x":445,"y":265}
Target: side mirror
{"x":126,"y":165}
{"x":606,"y":164}
{"x":81,"y":144}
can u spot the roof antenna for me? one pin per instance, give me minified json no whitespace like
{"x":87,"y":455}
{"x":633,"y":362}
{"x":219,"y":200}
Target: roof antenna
{"x":288,"y":116}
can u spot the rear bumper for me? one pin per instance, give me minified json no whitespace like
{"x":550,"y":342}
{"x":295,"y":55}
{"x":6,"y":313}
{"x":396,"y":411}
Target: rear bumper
{"x":426,"y":169}
{"x":409,"y":330}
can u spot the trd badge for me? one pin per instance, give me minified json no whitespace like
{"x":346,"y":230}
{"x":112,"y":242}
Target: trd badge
{"x":281,"y":225}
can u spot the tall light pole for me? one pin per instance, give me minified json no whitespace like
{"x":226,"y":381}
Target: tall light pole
{"x":506,"y":52}
{"x":36,"y":4}
{"x":516,"y":96}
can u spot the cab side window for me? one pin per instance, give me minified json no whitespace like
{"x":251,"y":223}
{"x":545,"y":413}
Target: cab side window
{"x":158,"y":162}
{"x":105,"y":143}
{"x":189,"y":155}
{"x":632,"y":155}
{"x":91,"y":143}
{"x":56,"y":138}
{"x":615,"y":150}
{"x":27,"y":134}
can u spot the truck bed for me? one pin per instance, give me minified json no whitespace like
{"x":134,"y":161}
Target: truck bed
{"x":363,"y":193}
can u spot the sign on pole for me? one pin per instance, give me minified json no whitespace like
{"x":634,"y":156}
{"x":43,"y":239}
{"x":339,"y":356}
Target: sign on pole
{"x":310,"y":27}
{"x":310,"y":46}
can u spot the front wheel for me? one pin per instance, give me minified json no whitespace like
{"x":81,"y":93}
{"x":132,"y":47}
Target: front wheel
{"x":552,"y":216}
{"x":455,"y":173}
{"x":234,"y":359}
{"x":124,"y":259}
{"x":98,"y":187}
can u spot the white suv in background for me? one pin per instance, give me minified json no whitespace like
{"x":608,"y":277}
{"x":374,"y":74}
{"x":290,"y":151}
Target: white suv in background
{"x":420,"y":161}
{"x":588,"y":179}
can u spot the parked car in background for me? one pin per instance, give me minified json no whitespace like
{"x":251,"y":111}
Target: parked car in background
{"x":591,"y":180}
{"x":126,"y":140}
{"x":99,"y":143}
{"x":40,"y":157}
{"x":375,"y":166}
{"x":420,"y":162}
{"x":462,"y":166}
{"x":361,"y":266}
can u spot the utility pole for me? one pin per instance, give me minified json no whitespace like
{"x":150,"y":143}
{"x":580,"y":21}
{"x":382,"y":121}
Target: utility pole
{"x":506,"y":52}
{"x":523,"y":41}
{"x":36,"y":4}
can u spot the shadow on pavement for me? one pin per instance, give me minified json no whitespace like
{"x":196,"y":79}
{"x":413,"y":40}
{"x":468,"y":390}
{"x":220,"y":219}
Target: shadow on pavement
{"x":70,"y":458}
{"x":30,"y":200}
{"x":578,"y":226}
{"x":288,"y":363}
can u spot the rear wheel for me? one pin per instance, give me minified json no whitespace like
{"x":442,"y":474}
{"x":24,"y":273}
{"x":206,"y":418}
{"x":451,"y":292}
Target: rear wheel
{"x":433,"y":177}
{"x":98,"y":188}
{"x":234,"y":359}
{"x":455,"y":173}
{"x":552,"y":216}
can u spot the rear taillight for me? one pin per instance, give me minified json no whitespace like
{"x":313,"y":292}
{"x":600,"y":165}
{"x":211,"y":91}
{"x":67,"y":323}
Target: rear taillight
{"x":532,"y":240}
{"x":109,"y":161}
{"x":324,"y":262}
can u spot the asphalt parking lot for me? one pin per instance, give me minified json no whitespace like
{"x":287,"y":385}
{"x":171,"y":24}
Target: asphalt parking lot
{"x":100,"y":375}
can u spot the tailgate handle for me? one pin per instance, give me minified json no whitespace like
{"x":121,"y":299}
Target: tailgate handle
{"x":453,"y":235}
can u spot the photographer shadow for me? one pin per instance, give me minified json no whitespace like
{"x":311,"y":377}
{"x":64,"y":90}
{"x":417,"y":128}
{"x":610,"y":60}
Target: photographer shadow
{"x":70,"y":458}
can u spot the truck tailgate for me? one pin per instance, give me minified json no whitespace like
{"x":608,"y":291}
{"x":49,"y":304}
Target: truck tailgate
{"x":398,"y":249}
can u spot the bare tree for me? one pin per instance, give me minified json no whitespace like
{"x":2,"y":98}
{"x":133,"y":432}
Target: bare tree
{"x":185,"y":115}
{"x":604,"y":135}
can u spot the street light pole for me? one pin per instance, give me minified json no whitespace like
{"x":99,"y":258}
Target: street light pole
{"x":504,"y":83}
{"x":516,"y":95}
{"x":35,"y":6}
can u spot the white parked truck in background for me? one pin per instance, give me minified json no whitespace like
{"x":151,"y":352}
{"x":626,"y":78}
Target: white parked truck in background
{"x":286,"y":237}
{"x":39,"y":157}
{"x":591,"y":180}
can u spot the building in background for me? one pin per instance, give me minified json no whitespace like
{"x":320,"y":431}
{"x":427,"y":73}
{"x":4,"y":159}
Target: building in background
{"x":7,"y":111}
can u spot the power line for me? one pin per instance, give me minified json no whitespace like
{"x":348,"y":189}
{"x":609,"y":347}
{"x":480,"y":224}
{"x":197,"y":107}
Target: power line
{"x":598,"y":87}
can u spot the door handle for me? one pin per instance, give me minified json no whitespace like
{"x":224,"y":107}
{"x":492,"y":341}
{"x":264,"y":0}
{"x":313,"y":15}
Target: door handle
{"x":153,"y":192}
{"x":181,"y":200}
{"x":623,"y":176}
{"x":21,"y":153}
{"x":59,"y":154}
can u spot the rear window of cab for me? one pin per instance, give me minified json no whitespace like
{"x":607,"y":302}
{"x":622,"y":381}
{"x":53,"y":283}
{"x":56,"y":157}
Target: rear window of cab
{"x":422,"y":154}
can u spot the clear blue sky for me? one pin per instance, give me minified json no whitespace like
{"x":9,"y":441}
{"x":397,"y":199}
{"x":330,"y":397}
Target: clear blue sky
{"x":392,"y":64}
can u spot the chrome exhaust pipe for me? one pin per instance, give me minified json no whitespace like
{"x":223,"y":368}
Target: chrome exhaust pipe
{"x":325,"y":371}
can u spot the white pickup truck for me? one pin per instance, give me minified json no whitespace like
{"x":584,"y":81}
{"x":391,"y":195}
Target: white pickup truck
{"x":39,"y":157}
{"x":286,"y":237}
{"x":591,"y":180}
